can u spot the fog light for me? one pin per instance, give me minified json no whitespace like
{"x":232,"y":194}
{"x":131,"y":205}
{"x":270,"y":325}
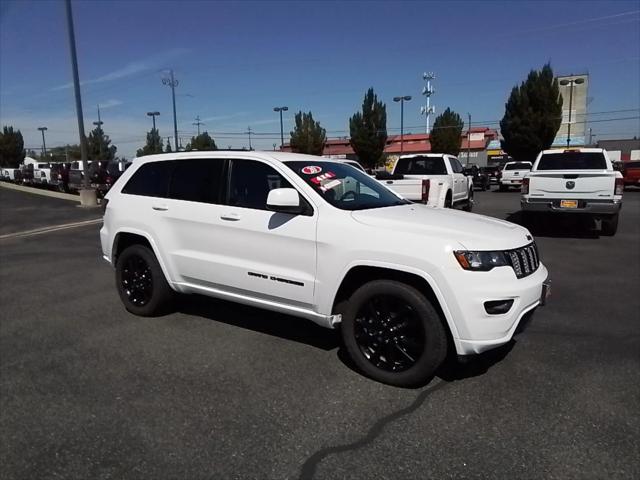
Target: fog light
{"x":498,"y":307}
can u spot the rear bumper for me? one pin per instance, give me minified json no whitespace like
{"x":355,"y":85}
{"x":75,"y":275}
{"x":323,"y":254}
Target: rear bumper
{"x":601,"y":207}
{"x":511,"y":181}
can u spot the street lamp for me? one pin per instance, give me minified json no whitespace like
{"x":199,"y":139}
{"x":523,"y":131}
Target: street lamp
{"x":153,"y":116}
{"x":406,"y":98}
{"x":173,"y":83}
{"x":570,"y":83}
{"x":280,"y":110}
{"x":44,"y":145}
{"x":99,"y":125}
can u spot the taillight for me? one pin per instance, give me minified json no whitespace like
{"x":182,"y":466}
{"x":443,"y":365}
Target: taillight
{"x":619,"y":186}
{"x":525,"y":185}
{"x":426,"y":185}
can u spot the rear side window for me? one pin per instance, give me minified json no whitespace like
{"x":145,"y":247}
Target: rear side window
{"x":250,"y":183}
{"x":574,"y":160}
{"x":150,"y":180}
{"x":632,"y":165}
{"x":518,"y":166}
{"x":421,"y":166}
{"x":197,"y":180}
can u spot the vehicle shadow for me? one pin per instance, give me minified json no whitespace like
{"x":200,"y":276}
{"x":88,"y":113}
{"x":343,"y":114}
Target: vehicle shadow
{"x":558,"y":225}
{"x":258,"y":320}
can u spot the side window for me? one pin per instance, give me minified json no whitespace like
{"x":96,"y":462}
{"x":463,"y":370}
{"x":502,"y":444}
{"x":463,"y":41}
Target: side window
{"x":151,"y":180}
{"x":250,"y":182}
{"x":456,"y":166}
{"x":197,"y":180}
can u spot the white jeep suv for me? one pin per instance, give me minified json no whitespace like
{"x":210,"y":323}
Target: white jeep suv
{"x":321,"y":240}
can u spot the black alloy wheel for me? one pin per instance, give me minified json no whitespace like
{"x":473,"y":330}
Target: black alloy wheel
{"x":389,"y":333}
{"x":137,"y":280}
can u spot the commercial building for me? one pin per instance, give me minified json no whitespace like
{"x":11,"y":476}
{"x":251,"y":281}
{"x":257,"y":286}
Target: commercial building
{"x":573,"y":90}
{"x":473,"y":144}
{"x":621,"y":150}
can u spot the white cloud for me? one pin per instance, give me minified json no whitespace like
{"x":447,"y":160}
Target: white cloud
{"x":130,"y":69}
{"x":110,"y":103}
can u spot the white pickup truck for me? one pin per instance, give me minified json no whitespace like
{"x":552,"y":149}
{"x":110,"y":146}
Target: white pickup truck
{"x":434,"y":179}
{"x":580,"y":181}
{"x":512,"y":174}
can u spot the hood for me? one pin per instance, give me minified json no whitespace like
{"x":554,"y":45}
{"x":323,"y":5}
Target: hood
{"x":472,"y":231}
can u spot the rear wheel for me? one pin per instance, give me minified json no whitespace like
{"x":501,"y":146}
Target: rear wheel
{"x":393,"y":334}
{"x":469,"y":205}
{"x":141,"y":283}
{"x":503,"y":188}
{"x":610,"y":225}
{"x":448,"y":203}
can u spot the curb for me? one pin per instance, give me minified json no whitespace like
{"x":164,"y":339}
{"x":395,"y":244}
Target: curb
{"x":39,"y":191}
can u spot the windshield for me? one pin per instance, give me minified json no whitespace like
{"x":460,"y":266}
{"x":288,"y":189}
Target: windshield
{"x":421,"y":166}
{"x":518,"y":166}
{"x":573,"y":160}
{"x":345,"y":187}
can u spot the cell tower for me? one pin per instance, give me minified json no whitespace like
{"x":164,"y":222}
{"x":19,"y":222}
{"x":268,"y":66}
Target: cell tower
{"x":427,"y":91}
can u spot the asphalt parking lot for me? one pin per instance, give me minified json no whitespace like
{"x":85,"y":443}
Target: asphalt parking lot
{"x":223,"y":391}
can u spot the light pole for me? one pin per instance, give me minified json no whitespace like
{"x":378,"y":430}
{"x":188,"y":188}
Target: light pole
{"x":99,"y":125}
{"x":570,"y":83}
{"x":153,"y":116}
{"x":469,"y":139}
{"x":44,"y":145}
{"x":406,"y":98}
{"x":280,"y":110}
{"x":173,"y":83}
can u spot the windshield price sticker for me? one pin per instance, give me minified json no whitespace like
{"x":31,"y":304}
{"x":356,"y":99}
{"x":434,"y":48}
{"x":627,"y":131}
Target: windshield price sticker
{"x":311,"y":170}
{"x":330,"y":185}
{"x":325,"y":176}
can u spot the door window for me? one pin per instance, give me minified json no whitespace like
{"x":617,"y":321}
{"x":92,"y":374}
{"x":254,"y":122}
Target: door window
{"x":150,"y":180}
{"x":250,"y":183}
{"x":197,"y":180}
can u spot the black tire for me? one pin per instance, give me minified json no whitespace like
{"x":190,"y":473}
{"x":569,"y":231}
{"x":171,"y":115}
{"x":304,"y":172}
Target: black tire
{"x":412,"y":336}
{"x":448,"y":202}
{"x":469,"y":204}
{"x":609,"y":225}
{"x":151,"y":295}
{"x":503,"y":188}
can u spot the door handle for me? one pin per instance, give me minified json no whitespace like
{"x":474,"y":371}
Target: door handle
{"x":160,"y":208}
{"x":230,"y":217}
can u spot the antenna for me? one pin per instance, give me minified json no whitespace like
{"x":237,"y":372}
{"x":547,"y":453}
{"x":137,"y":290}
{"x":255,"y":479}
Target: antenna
{"x":427,"y":91}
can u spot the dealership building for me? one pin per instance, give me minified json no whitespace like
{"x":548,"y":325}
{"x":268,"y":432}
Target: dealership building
{"x":473,"y":145}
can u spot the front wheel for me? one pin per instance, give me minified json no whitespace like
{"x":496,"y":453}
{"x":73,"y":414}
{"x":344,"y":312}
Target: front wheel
{"x":609,"y":225}
{"x":469,"y":205}
{"x":393,"y":334}
{"x":141,"y":283}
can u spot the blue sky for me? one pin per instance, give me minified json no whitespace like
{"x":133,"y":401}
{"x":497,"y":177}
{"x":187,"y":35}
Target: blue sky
{"x":236,"y":61}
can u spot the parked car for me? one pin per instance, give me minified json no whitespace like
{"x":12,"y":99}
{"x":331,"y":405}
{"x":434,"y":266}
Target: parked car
{"x":13,"y":175}
{"x":493,"y":172}
{"x":435,"y":179}
{"x":102,"y":175}
{"x":512,"y":174}
{"x":405,"y":282}
{"x":631,"y":174}
{"x":479,"y":178}
{"x":26,"y":174}
{"x":576,"y":181}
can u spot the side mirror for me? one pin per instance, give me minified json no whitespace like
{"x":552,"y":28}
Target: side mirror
{"x":284,"y":200}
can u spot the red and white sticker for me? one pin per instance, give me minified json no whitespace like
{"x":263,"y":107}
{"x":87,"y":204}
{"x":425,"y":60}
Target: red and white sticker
{"x":320,"y":178}
{"x":311,"y":170}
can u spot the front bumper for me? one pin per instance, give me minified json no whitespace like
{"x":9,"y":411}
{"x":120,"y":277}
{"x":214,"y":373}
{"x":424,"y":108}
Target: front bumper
{"x":479,"y":331}
{"x":601,"y":207}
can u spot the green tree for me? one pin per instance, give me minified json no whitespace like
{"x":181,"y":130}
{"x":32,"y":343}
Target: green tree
{"x":202,"y":142}
{"x":445,"y":135}
{"x":153,"y":145}
{"x":168,"y":147}
{"x":98,"y":147}
{"x":11,"y":147}
{"x":61,"y":154}
{"x":532,"y":115}
{"x":368,"y":130}
{"x":308,"y":136}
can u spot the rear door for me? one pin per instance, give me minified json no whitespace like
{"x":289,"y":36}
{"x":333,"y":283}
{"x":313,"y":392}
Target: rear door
{"x":459,"y":179}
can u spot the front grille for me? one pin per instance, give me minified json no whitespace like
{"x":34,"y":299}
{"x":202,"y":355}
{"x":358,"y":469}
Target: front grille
{"x":524,"y":260}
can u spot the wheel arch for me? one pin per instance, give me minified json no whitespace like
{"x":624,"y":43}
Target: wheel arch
{"x":359,"y":274}
{"x":127,"y":237}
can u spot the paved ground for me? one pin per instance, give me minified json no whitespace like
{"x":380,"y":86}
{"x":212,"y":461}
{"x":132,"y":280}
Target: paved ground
{"x":222,"y":391}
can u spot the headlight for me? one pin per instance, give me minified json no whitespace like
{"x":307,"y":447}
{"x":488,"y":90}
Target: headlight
{"x":480,"y":261}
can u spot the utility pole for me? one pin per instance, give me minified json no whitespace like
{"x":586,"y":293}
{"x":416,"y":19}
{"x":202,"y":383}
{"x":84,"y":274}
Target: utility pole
{"x":99,"y":125}
{"x":87,"y":196}
{"x":44,"y":145}
{"x":198,"y":123}
{"x":469,"y":140}
{"x":249,"y":132}
{"x":427,"y":91}
{"x":173,"y":83}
